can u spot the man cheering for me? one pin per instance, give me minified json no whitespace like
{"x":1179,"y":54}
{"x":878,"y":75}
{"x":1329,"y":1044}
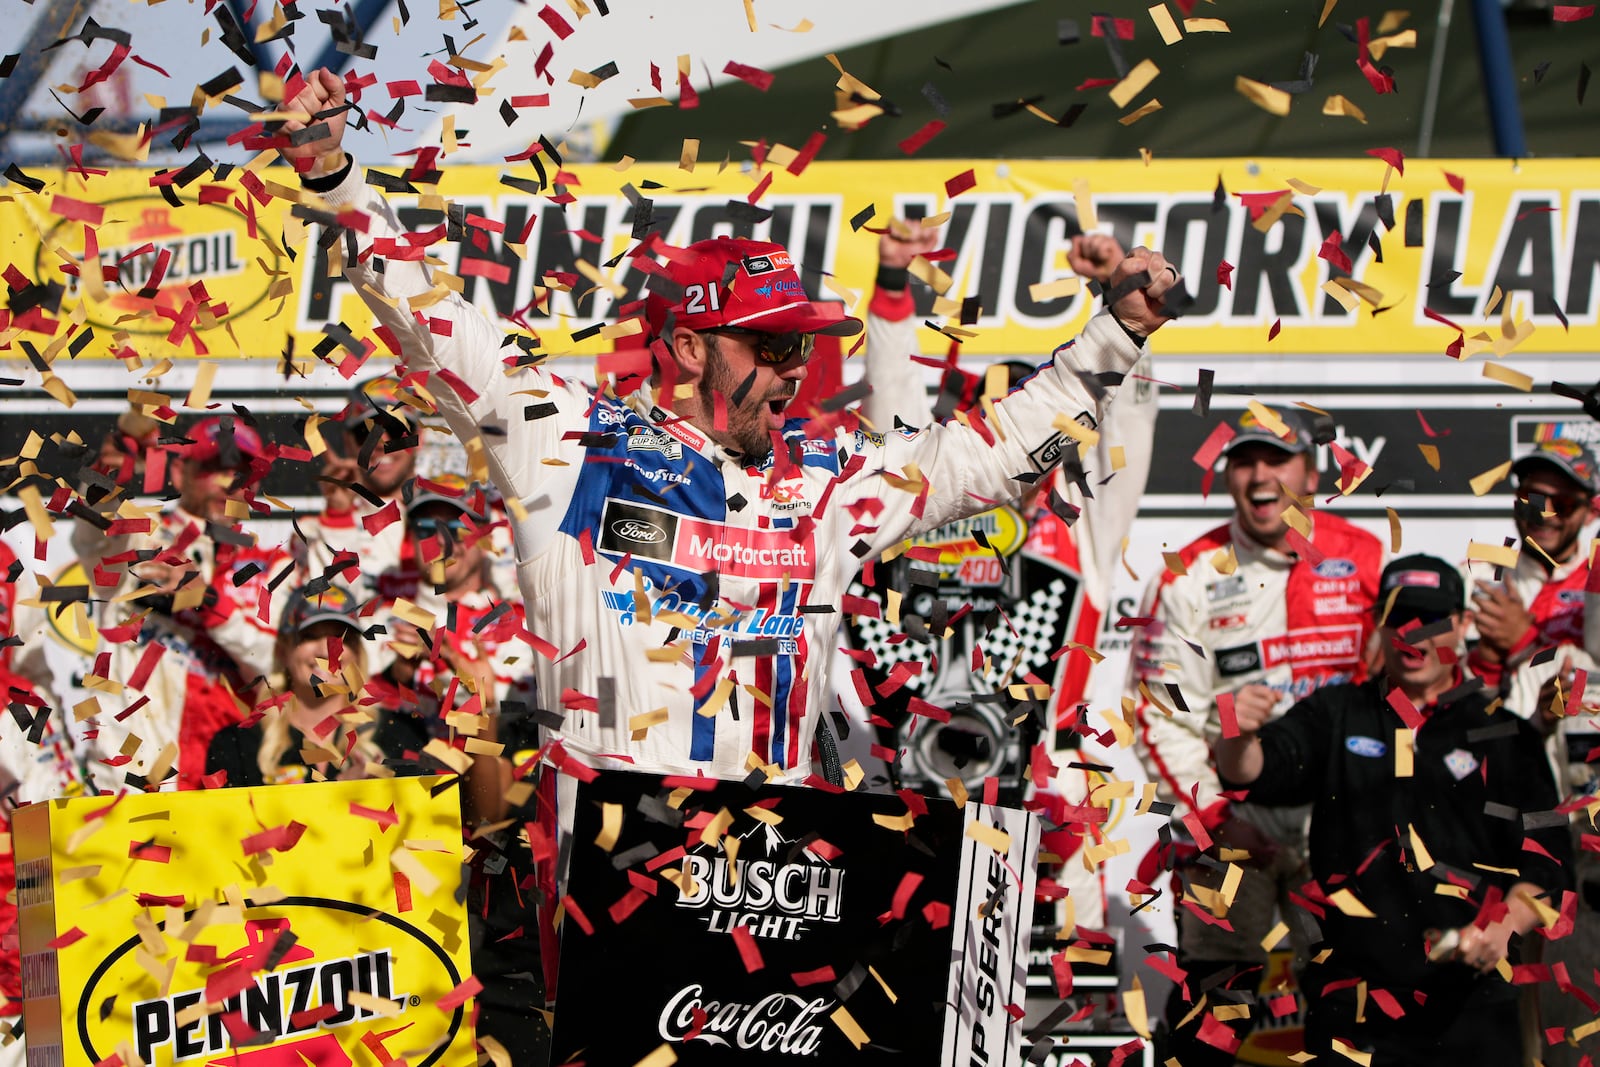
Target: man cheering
{"x":679,"y":570}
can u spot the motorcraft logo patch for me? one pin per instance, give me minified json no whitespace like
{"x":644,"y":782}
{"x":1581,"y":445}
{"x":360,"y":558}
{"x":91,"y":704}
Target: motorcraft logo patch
{"x":628,"y":529}
{"x":755,"y":266}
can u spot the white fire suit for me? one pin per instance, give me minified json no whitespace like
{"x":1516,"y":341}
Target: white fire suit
{"x":681,"y":603}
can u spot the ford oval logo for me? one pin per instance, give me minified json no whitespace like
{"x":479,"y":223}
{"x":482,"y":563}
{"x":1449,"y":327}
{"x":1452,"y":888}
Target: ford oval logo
{"x":1370,"y":747}
{"x":645,"y":533}
{"x":1335,"y":568}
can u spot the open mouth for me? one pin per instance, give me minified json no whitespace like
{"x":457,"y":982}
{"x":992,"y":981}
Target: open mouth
{"x":776,"y":409}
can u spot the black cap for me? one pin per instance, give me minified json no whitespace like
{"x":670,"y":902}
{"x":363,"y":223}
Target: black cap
{"x":1304,"y":431}
{"x":1570,"y":453}
{"x":1420,"y":585}
{"x":333,"y":604}
{"x":452,"y":489}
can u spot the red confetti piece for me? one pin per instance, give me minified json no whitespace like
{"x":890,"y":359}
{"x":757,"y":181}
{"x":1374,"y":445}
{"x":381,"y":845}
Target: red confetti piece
{"x":630,"y":902}
{"x":146,"y":665}
{"x":1217,"y":1034}
{"x":1404,"y":708}
{"x":1571,"y":12}
{"x":1225,"y":274}
{"x":70,"y":937}
{"x":913,"y":144}
{"x":385,"y":819}
{"x":1457,"y":182}
{"x":149,"y":850}
{"x":499,"y":273}
{"x":1390,"y":156}
{"x":761,"y":188}
{"x":1101,"y":25}
{"x":816,"y":977}
{"x":1227,"y":715}
{"x":1332,"y":251}
{"x":1277,"y":328}
{"x":402,"y":892}
{"x":954,"y":187}
{"x":558,"y":25}
{"x":1094,"y":83}
{"x":749,"y":75}
{"x":1207,"y":454}
{"x":77,"y":210}
{"x":749,"y":951}
{"x":904,"y":892}
{"x":937,"y":914}
{"x":226,"y":982}
{"x":458,"y":996}
{"x":383,"y":517}
{"x":807,"y":153}
{"x":461,"y":388}
{"x":577,"y":914}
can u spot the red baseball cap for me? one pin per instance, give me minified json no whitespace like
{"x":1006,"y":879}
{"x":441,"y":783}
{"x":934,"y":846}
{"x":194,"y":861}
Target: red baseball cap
{"x":228,"y":441}
{"x":734,"y":281}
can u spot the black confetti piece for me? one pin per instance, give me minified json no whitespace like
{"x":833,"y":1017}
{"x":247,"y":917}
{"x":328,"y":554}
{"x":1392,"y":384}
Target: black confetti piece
{"x":1413,"y":223}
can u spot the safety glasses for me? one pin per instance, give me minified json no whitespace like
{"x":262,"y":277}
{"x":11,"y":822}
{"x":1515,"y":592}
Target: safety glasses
{"x":773,"y":348}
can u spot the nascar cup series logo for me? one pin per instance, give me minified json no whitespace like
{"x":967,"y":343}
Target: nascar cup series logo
{"x":277,"y":1000}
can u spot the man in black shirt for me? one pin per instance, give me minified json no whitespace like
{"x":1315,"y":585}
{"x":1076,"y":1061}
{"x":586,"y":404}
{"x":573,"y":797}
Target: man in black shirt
{"x":1433,"y":841}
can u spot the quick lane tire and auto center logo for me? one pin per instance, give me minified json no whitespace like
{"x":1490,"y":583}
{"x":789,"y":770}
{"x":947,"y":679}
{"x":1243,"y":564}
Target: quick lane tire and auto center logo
{"x":297,"y":1012}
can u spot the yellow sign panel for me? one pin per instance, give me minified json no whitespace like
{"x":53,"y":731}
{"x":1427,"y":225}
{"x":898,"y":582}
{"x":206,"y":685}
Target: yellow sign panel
{"x":270,"y":927}
{"x":1294,"y":256}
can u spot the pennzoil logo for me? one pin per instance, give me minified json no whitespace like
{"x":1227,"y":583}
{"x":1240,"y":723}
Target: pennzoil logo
{"x":159,"y":253}
{"x":277,"y":1001}
{"x":968,"y":547}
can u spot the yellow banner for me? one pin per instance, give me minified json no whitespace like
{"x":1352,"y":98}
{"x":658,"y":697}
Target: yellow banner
{"x":267,"y":927}
{"x":1302,"y":256}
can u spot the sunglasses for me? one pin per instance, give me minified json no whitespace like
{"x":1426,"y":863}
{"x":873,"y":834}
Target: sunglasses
{"x":431,"y":527}
{"x":1400,"y":618}
{"x":773,"y":348}
{"x":1561,"y":505}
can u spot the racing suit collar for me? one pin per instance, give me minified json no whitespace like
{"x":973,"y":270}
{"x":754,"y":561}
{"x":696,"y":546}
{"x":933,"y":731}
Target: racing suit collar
{"x":643,"y":401}
{"x":1249,"y":549}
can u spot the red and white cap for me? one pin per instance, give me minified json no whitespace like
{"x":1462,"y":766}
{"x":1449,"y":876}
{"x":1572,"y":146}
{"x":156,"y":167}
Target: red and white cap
{"x":223,"y":441}
{"x":734,"y":281}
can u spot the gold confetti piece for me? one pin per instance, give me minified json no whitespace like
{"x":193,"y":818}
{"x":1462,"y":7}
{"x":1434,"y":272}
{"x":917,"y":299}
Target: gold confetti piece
{"x":389,"y":1009}
{"x":843,"y":1019}
{"x":1547,"y":915}
{"x":1077,"y":431}
{"x":1419,"y":851}
{"x":643,"y":103}
{"x":1083,"y":201}
{"x":895,"y":822}
{"x":1497,"y":555}
{"x":1346,"y":902}
{"x":1404,"y":752}
{"x":663,"y":1056}
{"x":1379,"y":45}
{"x":926,"y":272}
{"x":1230,"y":882}
{"x":689,"y":155}
{"x":1514,"y":378}
{"x":1205,"y":26}
{"x":1268,"y":99}
{"x":1392,"y":20}
{"x":1134,"y":116}
{"x":886,"y":990}
{"x":1275,"y":935}
{"x":716,"y":828}
{"x":1304,"y":189}
{"x":1394,"y":530}
{"x":991,"y":836}
{"x":1175,"y":564}
{"x":406,"y":862}
{"x":1339,"y":107}
{"x":422,"y":618}
{"x":1430,"y":454}
{"x":958,"y":791}
{"x":750,"y":15}
{"x":1327,"y":9}
{"x":1348,"y":1051}
{"x":644,"y":720}
{"x":1165,"y":26}
{"x":1138,"y":78}
{"x":610,"y":826}
{"x":1042,"y":291}
{"x":1347,"y":300}
{"x":1134,"y":1010}
{"x":38,"y":517}
{"x":1490,"y":478}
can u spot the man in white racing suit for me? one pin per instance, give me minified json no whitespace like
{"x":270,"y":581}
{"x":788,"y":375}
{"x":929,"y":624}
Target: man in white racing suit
{"x":678,"y":570}
{"x":1254,"y":612}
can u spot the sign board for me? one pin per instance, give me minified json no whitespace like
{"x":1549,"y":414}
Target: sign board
{"x":1448,"y":248}
{"x":214,"y":927}
{"x":780,"y":925}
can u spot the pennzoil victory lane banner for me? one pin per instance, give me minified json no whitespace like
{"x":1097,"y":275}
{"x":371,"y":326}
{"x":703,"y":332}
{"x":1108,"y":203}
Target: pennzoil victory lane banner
{"x":1260,"y":243}
{"x":783,"y":926}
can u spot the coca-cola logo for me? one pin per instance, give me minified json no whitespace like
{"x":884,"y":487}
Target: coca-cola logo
{"x":646,"y":533}
{"x":778,"y":1022}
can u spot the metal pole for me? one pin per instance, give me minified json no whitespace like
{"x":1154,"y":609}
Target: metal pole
{"x":1430,"y":95}
{"x":1499,"y":79}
